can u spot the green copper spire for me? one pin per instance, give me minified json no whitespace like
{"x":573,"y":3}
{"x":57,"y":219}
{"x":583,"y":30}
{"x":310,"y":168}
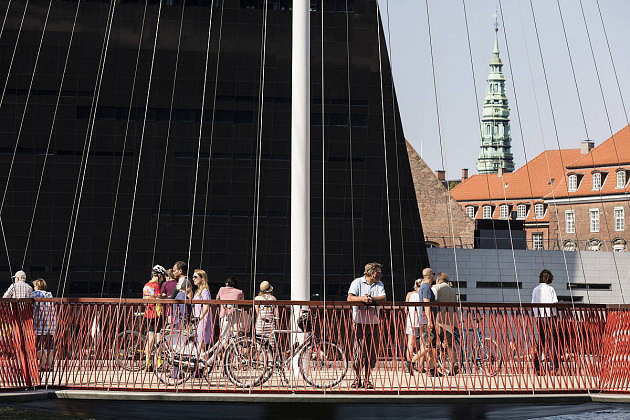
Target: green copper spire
{"x":495,"y":120}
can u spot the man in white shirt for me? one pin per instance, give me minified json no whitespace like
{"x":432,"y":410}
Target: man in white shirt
{"x":548,"y":342}
{"x":369,"y":291}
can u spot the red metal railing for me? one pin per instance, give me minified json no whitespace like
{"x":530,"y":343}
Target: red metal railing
{"x":474,"y":347}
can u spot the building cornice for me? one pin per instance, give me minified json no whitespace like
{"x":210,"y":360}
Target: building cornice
{"x":589,"y":199}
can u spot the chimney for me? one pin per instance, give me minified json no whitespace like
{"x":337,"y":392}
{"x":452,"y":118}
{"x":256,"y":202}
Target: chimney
{"x":464,"y":174}
{"x":586,"y":146}
{"x":441,"y":175}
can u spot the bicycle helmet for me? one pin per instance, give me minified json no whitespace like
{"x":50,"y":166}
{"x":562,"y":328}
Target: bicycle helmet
{"x":158,"y":269}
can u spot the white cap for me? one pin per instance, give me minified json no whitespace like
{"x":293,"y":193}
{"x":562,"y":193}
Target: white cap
{"x":19,"y":275}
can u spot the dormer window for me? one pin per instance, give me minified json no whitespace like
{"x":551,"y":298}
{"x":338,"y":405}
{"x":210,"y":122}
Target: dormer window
{"x":621,"y":179}
{"x":597,"y":181}
{"x":573,"y":182}
{"x":521,"y":211}
{"x":470,"y":211}
{"x":539,"y":210}
{"x":487,"y":212}
{"x":504,"y":211}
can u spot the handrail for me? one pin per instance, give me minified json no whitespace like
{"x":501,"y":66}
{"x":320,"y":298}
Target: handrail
{"x":386,"y":304}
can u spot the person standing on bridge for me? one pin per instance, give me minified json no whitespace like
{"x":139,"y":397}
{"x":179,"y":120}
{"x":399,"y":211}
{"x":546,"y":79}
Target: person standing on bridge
{"x":153,"y":313}
{"x":369,"y":291}
{"x":202,"y":311}
{"x":548,"y":343}
{"x":180,"y":272}
{"x":20,"y":289}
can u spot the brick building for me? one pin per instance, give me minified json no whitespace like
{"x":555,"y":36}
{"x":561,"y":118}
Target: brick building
{"x":562,"y":199}
{"x":434,"y":203}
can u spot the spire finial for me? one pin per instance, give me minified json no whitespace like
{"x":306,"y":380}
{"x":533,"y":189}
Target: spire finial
{"x":495,"y":15}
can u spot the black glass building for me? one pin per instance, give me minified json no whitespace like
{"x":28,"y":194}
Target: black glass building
{"x":93,"y":112}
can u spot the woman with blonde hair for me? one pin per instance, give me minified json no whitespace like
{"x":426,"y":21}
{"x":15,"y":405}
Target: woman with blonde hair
{"x":265,"y":314}
{"x":202,"y":312}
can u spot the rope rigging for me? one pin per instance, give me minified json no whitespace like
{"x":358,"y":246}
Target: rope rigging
{"x":78,"y":193}
{"x":586,"y":132}
{"x":542,"y":136}
{"x":214,"y":105}
{"x":395,"y":125}
{"x":24,"y":112}
{"x":168,"y":133}
{"x":258,"y":162}
{"x":203,"y":105}
{"x":144,"y":122}
{"x":4,"y":90}
{"x":52,"y":129}
{"x":385,"y":160}
{"x":124,"y":148}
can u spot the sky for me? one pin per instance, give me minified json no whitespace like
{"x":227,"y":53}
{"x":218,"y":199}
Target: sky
{"x":408,"y":44}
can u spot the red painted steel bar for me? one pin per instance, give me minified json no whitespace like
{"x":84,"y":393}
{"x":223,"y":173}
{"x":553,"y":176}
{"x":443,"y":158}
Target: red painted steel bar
{"x":245,"y":346}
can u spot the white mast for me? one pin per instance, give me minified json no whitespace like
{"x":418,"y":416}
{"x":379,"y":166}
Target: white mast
{"x":300,"y":152}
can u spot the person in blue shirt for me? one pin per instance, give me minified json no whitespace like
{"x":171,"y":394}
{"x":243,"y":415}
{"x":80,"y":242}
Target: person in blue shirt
{"x":427,"y":324}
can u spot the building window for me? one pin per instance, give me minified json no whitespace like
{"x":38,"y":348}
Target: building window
{"x":470,"y":212}
{"x":569,"y":221}
{"x":619,"y":219}
{"x":597,"y":181}
{"x":537,"y":240}
{"x":594,"y":220}
{"x":621,"y":179}
{"x":487,"y":212}
{"x":569,"y":245}
{"x":539,"y":210}
{"x":573,"y":183}
{"x":504,"y":211}
{"x":619,"y":245}
{"x":521,"y":211}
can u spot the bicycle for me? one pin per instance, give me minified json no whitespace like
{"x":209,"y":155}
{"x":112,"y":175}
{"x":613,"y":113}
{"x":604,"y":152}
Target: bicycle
{"x":244,"y":360}
{"x":322,"y":364}
{"x":130,"y":347}
{"x":478,"y":354}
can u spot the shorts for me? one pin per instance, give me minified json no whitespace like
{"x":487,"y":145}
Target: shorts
{"x":45,"y":342}
{"x":366,"y":343}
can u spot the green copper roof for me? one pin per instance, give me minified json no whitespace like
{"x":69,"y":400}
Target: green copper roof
{"x":495,"y":150}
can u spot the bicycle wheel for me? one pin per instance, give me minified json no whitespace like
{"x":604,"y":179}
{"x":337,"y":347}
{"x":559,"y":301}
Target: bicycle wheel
{"x":323,"y":364}
{"x":247,"y":363}
{"x":489,"y":357}
{"x":172,"y":368}
{"x":130,"y":350}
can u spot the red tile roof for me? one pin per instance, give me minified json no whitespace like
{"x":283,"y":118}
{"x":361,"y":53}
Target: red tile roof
{"x":545,"y":176}
{"x":614,"y":151}
{"x":534,"y":180}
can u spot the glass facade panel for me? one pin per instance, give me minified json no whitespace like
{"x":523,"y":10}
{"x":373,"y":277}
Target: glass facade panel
{"x":231,"y":232}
